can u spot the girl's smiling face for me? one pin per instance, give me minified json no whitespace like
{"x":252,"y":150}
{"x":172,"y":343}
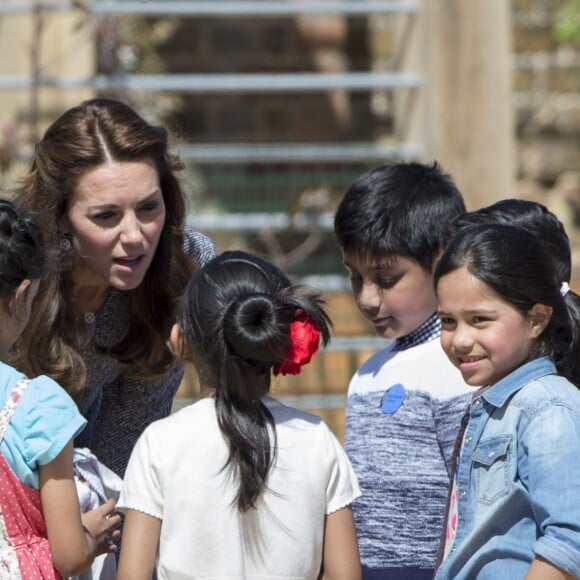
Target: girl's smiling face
{"x":484,"y":336}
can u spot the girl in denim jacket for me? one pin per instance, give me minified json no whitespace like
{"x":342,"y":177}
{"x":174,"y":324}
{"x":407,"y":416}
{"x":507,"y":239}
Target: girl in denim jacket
{"x":512,"y":327}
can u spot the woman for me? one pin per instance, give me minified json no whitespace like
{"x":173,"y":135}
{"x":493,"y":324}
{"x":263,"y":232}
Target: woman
{"x":103,"y":187}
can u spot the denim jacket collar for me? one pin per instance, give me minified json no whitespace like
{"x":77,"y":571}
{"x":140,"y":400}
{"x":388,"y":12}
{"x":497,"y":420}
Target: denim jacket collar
{"x":498,"y":394}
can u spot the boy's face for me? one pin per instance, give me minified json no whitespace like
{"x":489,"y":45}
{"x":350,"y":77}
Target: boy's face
{"x":394,"y":293}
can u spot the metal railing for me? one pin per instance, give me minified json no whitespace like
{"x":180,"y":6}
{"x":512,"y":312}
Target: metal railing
{"x":304,"y":82}
{"x":270,"y":83}
{"x":297,"y":152}
{"x":300,"y":82}
{"x":217,"y":8}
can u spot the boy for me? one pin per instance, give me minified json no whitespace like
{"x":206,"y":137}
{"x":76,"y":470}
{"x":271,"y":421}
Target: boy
{"x":405,"y":403}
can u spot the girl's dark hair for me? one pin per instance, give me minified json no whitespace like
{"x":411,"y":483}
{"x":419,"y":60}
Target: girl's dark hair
{"x":81,"y":139}
{"x":21,"y":253}
{"x":513,"y":263}
{"x":531,"y":216}
{"x":235,"y":315}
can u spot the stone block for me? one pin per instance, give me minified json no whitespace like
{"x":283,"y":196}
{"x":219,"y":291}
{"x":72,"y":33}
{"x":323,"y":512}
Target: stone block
{"x":564,"y":79}
{"x":533,"y":39}
{"x":524,"y":80}
{"x":543,"y":160}
{"x":555,"y":116}
{"x":522,"y":5}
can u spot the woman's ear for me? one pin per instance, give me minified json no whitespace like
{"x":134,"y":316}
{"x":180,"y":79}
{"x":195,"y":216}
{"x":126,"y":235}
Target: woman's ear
{"x":539,"y":317}
{"x":63,"y":223}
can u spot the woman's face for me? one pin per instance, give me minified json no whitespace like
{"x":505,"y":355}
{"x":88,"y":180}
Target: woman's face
{"x":115,"y":218}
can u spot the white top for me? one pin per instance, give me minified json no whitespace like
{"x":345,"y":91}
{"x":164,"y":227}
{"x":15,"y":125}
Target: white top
{"x":175,"y":474}
{"x":422,"y":368}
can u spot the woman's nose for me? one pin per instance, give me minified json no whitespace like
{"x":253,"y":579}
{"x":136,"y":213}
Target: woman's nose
{"x":131,"y":230}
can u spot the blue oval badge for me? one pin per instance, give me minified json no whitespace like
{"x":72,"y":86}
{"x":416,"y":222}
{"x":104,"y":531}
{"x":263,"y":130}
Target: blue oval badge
{"x":393,"y":399}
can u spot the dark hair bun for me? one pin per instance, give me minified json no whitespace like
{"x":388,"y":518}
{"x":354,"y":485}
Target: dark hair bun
{"x":256,"y":328}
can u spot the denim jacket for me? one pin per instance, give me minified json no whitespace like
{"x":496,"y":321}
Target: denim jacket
{"x":519,"y":478}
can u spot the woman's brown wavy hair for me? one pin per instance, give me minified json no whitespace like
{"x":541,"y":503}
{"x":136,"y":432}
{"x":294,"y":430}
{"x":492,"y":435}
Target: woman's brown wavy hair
{"x":83,"y":138}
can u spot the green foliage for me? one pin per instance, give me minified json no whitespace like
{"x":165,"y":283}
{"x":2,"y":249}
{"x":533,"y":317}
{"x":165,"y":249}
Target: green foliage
{"x":567,"y":27}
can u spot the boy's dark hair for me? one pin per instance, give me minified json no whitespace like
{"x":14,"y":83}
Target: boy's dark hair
{"x":402,"y":208}
{"x":531,"y":216}
{"x":514,"y":264}
{"x":236,"y":314}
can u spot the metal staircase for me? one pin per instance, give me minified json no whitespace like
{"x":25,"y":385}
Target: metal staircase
{"x":228,"y":155}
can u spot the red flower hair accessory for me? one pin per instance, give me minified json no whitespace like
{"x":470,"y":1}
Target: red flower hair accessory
{"x":304,"y":344}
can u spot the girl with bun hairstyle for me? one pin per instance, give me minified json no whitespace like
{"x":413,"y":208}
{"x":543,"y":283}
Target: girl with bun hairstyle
{"x":239,"y":484}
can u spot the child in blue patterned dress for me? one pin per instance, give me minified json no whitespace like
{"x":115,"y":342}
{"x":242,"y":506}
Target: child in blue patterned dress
{"x":41,"y":529}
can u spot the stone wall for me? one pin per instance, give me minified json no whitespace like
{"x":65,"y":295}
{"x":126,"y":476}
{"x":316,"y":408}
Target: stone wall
{"x":546,"y":99}
{"x":547,"y":106}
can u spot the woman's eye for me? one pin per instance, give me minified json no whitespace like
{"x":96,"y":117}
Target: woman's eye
{"x":106,"y":215}
{"x":150,"y":206}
